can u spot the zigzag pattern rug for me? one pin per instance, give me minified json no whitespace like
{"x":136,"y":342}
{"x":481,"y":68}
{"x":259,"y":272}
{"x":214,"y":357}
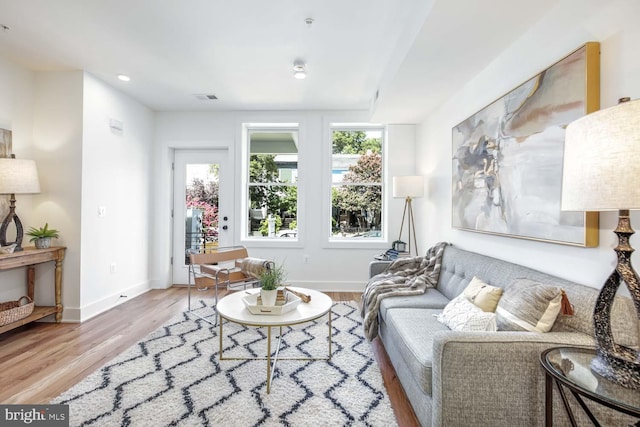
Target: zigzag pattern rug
{"x":173,"y":377}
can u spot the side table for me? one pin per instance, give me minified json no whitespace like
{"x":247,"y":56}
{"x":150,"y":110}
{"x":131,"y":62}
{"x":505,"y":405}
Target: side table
{"x":570,"y":369}
{"x":29,"y":258}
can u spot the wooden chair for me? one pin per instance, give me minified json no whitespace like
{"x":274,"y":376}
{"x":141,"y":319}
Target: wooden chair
{"x":228,"y":267}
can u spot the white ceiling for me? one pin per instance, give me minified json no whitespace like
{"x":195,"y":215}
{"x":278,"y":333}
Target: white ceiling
{"x":413,"y":52}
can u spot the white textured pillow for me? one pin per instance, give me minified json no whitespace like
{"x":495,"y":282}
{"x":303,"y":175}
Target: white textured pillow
{"x":462,"y":315}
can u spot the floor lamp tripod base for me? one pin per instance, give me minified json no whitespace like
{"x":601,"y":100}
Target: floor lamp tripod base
{"x":411,"y":226}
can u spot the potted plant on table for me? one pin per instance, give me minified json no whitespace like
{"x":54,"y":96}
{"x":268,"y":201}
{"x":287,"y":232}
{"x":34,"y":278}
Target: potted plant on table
{"x":42,"y":236}
{"x":270,"y":280}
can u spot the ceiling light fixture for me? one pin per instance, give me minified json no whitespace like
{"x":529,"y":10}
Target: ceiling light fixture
{"x":299,"y":71}
{"x":124,"y":77}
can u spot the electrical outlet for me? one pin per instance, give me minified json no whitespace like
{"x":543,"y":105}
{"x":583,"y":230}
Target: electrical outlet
{"x":306,"y":258}
{"x":112,"y":267}
{"x":102,"y":211}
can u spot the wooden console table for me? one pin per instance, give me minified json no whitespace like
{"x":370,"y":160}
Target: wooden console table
{"x":29,"y":258}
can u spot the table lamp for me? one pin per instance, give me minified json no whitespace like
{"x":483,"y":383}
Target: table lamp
{"x":601,"y":166}
{"x":17,"y":176}
{"x":408,"y":187}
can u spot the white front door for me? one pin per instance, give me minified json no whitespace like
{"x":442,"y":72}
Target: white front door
{"x":202,"y":205}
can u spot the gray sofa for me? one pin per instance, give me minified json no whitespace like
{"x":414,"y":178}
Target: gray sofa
{"x":486,"y":378}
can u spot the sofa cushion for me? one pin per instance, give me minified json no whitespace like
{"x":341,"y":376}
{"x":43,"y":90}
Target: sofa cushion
{"x":412,"y":331}
{"x":463,"y":315}
{"x":432,"y":298}
{"x":527,"y":305}
{"x":483,"y":295}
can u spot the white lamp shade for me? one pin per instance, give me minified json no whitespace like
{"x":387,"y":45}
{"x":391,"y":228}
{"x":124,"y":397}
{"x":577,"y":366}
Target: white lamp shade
{"x":602,"y":160}
{"x":18,"y":176}
{"x":408,"y":186}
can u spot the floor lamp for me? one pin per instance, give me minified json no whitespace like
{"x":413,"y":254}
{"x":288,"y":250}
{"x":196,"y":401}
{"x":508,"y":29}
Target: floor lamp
{"x":408,"y":188}
{"x":601,"y":165}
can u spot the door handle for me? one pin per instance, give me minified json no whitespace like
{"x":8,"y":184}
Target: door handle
{"x":224,"y":227}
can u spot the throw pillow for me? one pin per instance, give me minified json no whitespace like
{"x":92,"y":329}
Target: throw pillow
{"x":527,"y":305}
{"x":483,"y":295}
{"x":462,"y":315}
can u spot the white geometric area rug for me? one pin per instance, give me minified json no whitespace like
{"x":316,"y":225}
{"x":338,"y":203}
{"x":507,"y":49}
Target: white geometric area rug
{"x":174,"y":377}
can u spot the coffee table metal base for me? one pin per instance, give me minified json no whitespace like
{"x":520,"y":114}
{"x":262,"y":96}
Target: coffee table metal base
{"x":271,"y":361}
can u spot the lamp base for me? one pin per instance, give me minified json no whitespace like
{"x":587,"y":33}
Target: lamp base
{"x":11,"y":216}
{"x":617,"y":369}
{"x":617,"y":362}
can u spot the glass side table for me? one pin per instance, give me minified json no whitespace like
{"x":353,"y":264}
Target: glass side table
{"x":570,"y":369}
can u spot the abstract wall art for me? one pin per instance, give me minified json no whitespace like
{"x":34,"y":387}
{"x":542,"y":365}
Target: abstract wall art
{"x":507,"y":157}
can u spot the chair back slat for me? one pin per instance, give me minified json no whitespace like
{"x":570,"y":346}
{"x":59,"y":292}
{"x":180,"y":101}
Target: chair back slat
{"x":218,"y":256}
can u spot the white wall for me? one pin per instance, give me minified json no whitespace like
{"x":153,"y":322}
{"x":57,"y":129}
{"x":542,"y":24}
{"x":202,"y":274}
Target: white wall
{"x":565,"y":28}
{"x":16,"y":114}
{"x":116,"y":175}
{"x":328,"y":268}
{"x":57,"y":144}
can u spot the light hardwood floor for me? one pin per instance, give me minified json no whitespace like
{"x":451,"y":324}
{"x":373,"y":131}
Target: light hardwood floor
{"x":39,"y":361}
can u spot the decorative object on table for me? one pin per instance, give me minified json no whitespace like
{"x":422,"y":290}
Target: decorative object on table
{"x":13,"y":311}
{"x":270,"y":280}
{"x":507,"y":157}
{"x":601,"y":162}
{"x":17,"y":176}
{"x":8,"y":249}
{"x":304,"y":297}
{"x":283,"y":304}
{"x":399,"y":246}
{"x":408,"y":188}
{"x":42,"y":236}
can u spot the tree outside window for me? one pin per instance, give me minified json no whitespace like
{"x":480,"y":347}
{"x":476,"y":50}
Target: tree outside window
{"x":356,"y":199}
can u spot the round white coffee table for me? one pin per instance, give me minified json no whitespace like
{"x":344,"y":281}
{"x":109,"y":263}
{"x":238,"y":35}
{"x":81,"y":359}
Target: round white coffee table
{"x":231,"y":308}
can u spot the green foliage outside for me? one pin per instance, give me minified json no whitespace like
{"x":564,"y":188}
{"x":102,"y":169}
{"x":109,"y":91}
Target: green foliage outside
{"x":278,"y":199}
{"x":354,"y":142}
{"x":264,"y":225}
{"x":361,"y":203}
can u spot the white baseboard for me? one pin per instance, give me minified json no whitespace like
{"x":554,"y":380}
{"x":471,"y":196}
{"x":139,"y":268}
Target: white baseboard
{"x":79,"y":315}
{"x":329,"y":286}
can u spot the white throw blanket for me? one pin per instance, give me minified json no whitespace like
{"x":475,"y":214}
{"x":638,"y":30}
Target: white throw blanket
{"x":404,"y":276}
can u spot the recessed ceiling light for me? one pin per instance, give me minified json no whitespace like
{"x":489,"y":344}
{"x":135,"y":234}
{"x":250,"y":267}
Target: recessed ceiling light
{"x":299,"y":71}
{"x":124,"y":77}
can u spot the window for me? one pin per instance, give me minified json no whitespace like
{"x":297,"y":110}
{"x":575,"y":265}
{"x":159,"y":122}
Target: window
{"x":272,"y":187}
{"x":356,"y":189}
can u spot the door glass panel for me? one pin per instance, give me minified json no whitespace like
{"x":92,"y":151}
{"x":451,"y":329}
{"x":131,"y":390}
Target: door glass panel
{"x":201,"y":206}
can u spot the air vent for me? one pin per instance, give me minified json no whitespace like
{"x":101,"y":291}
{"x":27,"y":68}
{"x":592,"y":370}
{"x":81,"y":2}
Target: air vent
{"x":205,"y":97}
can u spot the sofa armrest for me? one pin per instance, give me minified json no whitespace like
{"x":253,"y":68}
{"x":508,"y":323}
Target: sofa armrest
{"x":493,"y":378}
{"x":377,"y":267}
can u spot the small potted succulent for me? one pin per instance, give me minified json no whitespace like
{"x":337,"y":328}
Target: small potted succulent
{"x":270,"y":280}
{"x":42,"y":236}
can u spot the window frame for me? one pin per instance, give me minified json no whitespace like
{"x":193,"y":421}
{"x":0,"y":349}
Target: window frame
{"x":245,"y":155}
{"x":329,"y":241}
